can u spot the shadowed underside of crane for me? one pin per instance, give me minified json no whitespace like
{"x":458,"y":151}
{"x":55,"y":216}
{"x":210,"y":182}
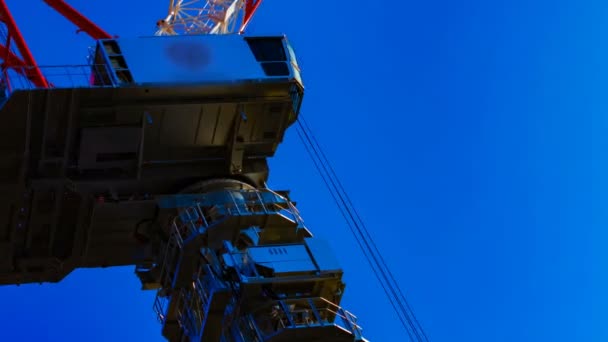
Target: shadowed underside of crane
{"x":81,"y":166}
{"x":154,"y":155}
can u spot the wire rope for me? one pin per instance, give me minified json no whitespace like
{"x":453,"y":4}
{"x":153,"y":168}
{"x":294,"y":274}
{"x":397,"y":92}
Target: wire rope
{"x":360,"y":232}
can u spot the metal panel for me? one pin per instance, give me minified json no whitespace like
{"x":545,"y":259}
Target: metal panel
{"x":207,"y":125}
{"x":323,"y":255}
{"x":196,"y":59}
{"x":109,"y":147}
{"x":179,"y":125}
{"x":283,"y":258}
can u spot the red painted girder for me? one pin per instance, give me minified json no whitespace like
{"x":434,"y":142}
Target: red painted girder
{"x":78,"y":19}
{"x":250,"y":7}
{"x":12,"y":61}
{"x":34,"y":73}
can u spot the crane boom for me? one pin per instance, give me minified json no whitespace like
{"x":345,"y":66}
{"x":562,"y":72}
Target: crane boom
{"x":207,"y":17}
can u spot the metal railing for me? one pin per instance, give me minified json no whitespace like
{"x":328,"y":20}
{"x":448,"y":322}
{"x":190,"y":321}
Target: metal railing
{"x":195,"y":301}
{"x":293,"y":211}
{"x":206,"y":283}
{"x":189,"y":222}
{"x":171,"y":254}
{"x":192,"y":313}
{"x":200,"y":212}
{"x":246,"y":330}
{"x":188,"y":316}
{"x":256,"y":202}
{"x":303,"y":313}
{"x":161,"y":304}
{"x":63,"y":76}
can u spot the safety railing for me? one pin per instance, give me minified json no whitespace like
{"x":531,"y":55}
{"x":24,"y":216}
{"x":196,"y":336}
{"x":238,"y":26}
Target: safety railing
{"x":303,"y":313}
{"x":186,"y":315}
{"x":168,"y":261}
{"x":253,"y":202}
{"x":200,"y":212}
{"x":207,"y":283}
{"x":246,"y":330}
{"x":170,"y":255}
{"x":191,"y":302}
{"x":63,"y":76}
{"x":291,"y":209}
{"x":192,"y":313}
{"x":196,"y":299}
{"x":190,"y":221}
{"x":161,"y":304}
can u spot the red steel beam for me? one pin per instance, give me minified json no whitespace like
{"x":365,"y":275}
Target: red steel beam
{"x":34,"y":74}
{"x":72,"y":14}
{"x":10,"y":59}
{"x":13,"y":61}
{"x":250,"y":7}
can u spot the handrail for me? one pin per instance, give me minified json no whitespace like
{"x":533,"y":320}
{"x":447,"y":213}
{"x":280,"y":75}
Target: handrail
{"x":226,"y":204}
{"x":304,"y":312}
{"x":59,"y":76}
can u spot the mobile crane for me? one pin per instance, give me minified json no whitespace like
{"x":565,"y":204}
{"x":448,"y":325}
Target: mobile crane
{"x":154,"y":155}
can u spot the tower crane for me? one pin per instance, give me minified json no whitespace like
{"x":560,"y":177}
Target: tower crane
{"x":155,"y":155}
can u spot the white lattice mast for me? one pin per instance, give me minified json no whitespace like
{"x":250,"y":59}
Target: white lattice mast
{"x":187,"y":17}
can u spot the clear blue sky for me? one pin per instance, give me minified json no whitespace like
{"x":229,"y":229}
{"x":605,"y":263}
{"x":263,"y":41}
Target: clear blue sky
{"x":470,"y":135}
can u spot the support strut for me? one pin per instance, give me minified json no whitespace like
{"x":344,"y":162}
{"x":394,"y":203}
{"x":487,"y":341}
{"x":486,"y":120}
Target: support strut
{"x":250,"y":7}
{"x":32,"y":72}
{"x":83,"y":23}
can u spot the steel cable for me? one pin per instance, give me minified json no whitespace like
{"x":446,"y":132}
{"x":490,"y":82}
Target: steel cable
{"x":356,"y":225}
{"x":352,"y":229}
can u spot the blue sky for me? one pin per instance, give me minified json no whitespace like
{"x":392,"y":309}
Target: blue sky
{"x":469,"y":134}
